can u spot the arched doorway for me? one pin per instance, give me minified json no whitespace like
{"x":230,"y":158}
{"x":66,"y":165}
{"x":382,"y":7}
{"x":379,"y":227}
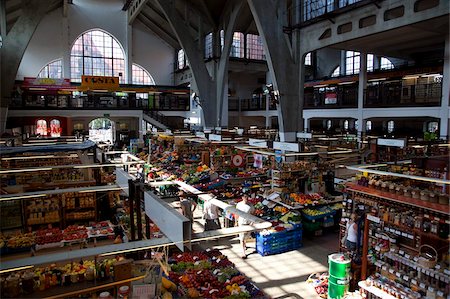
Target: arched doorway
{"x":102,"y":129}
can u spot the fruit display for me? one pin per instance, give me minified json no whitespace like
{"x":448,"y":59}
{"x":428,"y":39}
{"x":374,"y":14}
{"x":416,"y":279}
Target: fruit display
{"x":306,"y":199}
{"x":318,"y":213}
{"x":20,"y":240}
{"x":100,"y":229}
{"x":207,"y":274}
{"x":49,"y":235}
{"x":75,"y":233}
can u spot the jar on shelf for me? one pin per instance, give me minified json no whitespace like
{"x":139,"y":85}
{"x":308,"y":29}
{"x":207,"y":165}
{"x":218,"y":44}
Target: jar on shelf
{"x":432,"y":197}
{"x":11,"y":289}
{"x":424,"y":195}
{"x":105,"y":295}
{"x":28,"y":282}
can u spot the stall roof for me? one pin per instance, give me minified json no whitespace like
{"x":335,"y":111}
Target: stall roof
{"x":4,"y":150}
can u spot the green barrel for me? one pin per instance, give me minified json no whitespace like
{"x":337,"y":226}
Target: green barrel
{"x":338,"y":281}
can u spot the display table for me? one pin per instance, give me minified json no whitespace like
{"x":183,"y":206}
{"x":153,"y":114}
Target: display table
{"x":375,"y":291}
{"x":279,"y":242}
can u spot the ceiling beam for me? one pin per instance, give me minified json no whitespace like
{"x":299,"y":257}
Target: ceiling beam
{"x":134,"y":10}
{"x":208,"y":14}
{"x":152,"y":26}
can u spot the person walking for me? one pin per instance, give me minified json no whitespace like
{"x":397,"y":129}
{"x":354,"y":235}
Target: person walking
{"x":245,"y":207}
{"x":187,"y":206}
{"x":211,"y":216}
{"x":350,"y":238}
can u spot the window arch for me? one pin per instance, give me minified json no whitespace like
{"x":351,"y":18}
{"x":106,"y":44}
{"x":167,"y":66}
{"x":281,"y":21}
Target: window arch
{"x":53,"y":69}
{"x":141,"y":76}
{"x":308,"y":59}
{"x":390,"y":126}
{"x":386,"y":64}
{"x":55,"y":128}
{"x":336,"y":72}
{"x":41,"y":127}
{"x":180,"y":59}
{"x":98,"y":53}
{"x":237,"y":46}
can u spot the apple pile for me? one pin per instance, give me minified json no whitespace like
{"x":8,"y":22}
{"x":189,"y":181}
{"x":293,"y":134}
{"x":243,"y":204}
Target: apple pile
{"x":49,"y":235}
{"x":75,"y":232}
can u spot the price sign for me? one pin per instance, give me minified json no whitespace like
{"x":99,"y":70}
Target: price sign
{"x":440,"y":293}
{"x":406,"y":278}
{"x":398,"y":274}
{"x":422,"y":285}
{"x":401,"y":252}
{"x":407,"y":256}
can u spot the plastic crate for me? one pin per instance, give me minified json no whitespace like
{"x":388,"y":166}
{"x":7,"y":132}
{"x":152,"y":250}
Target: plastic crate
{"x":311,"y":226}
{"x":278,"y":250}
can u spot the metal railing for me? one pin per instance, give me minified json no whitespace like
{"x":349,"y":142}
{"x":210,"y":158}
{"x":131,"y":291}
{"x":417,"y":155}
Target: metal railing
{"x":398,"y":95}
{"x":342,"y":97}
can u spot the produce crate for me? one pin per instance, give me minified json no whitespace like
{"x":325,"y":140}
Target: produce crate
{"x":279,"y":242}
{"x":311,"y":227}
{"x":309,"y":217}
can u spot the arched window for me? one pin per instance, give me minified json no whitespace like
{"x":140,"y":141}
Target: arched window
{"x":97,"y":53}
{"x":255,"y":49}
{"x":52,"y":69}
{"x":41,"y":127}
{"x":180,"y":59}
{"x":370,"y":62}
{"x":308,"y":59}
{"x":141,"y":76}
{"x":352,"y":60}
{"x":368,"y":126}
{"x":55,"y":128}
{"x":336,"y":72}
{"x":386,"y":64}
{"x":346,"y":125}
{"x":390,"y":126}
{"x":433,"y":126}
{"x":237,"y":47}
{"x":209,"y":45}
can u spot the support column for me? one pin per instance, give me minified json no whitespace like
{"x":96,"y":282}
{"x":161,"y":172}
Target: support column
{"x":14,"y":45}
{"x":342,"y":65}
{"x":283,"y":59}
{"x":66,"y":45}
{"x":224,"y":102}
{"x":267,"y":110}
{"x":444,"y":114}
{"x":362,"y":83}
{"x":129,"y":53}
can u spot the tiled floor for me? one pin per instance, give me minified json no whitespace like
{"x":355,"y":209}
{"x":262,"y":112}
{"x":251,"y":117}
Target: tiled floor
{"x":283,"y":275}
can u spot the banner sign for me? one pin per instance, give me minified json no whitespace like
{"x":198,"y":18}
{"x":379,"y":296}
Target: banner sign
{"x":258,"y":161}
{"x":215,"y":137}
{"x":258,"y":142}
{"x":48,"y":83}
{"x":304,"y":135}
{"x":100,"y":82}
{"x":391,"y":142}
{"x":286,"y":146}
{"x":330,"y":98}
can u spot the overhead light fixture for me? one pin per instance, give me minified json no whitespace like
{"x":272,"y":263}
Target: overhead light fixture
{"x":346,"y":83}
{"x":103,"y":189}
{"x":377,"y":79}
{"x":24,"y":170}
{"x":411,"y":77}
{"x":100,"y":90}
{"x":431,"y":75}
{"x":320,"y":85}
{"x":12,"y":197}
{"x":37,"y":88}
{"x":36,"y":144}
{"x":16,"y":269}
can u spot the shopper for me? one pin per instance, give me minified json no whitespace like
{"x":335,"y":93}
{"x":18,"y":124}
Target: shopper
{"x":245,"y":207}
{"x":124,"y":157}
{"x":140,"y":173}
{"x":351,"y":233}
{"x":187,"y":206}
{"x":211,"y":216}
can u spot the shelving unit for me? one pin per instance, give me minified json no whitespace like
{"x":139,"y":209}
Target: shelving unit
{"x":401,"y":234}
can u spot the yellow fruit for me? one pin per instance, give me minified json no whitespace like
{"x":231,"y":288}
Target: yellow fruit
{"x":193,"y":293}
{"x":168,"y":285}
{"x":167,"y":295}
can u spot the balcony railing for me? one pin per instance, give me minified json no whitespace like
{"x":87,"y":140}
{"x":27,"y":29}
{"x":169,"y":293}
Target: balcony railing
{"x":340,"y":97}
{"x":254,"y":104}
{"x":398,"y":95}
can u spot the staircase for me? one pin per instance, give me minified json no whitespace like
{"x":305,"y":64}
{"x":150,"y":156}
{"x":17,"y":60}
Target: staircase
{"x":155,"y":118}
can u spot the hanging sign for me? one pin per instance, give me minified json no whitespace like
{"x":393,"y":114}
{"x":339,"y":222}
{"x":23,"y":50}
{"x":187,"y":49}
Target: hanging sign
{"x":100,"y":82}
{"x":215,"y":137}
{"x":304,"y":135}
{"x":258,"y":142}
{"x":391,"y":142}
{"x":278,"y":156}
{"x":237,"y":160}
{"x":200,"y":134}
{"x":286,"y":146}
{"x":330,"y":98}
{"x":258,"y":161}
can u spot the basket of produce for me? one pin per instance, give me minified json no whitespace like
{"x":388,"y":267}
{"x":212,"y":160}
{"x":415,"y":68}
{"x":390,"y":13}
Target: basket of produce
{"x":427,"y":258}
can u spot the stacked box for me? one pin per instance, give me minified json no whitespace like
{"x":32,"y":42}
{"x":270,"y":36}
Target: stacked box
{"x":279,"y":242}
